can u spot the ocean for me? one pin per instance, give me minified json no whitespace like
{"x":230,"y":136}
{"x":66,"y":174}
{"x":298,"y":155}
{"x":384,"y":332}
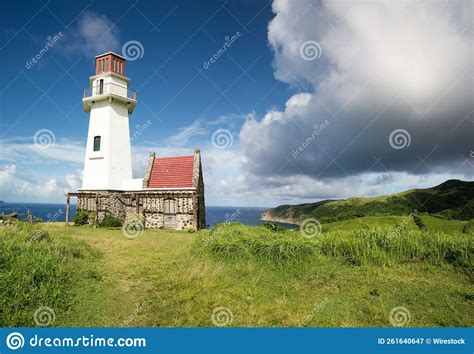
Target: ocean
{"x":214,"y":214}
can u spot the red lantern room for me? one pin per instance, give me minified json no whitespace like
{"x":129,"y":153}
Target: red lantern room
{"x":110,"y":62}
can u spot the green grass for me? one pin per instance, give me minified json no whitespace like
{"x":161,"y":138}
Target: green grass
{"x":369,"y":222}
{"x":376,"y":246}
{"x":235,"y":241}
{"x":432,"y":223}
{"x":438,"y":224}
{"x":387,"y":246}
{"x":36,"y":272}
{"x":172,"y":278}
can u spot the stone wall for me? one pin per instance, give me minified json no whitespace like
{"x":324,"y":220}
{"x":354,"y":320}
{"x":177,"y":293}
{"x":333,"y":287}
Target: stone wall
{"x":151,"y":207}
{"x":185,"y":221}
{"x":154,"y":220}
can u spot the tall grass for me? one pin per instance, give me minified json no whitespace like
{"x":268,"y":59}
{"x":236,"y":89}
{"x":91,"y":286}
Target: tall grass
{"x":378,"y":246}
{"x":384,"y":246}
{"x":235,"y":241}
{"x":35,"y":272}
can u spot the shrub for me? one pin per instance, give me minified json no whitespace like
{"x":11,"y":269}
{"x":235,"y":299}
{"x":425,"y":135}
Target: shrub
{"x":111,"y":221}
{"x":468,"y":228}
{"x":274,"y":226}
{"x":421,"y":225}
{"x":82,"y":217}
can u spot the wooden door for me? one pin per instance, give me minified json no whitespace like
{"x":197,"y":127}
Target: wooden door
{"x":170,"y":214}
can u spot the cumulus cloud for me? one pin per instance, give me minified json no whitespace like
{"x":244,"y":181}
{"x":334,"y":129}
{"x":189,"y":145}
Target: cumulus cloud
{"x":17,"y":185}
{"x":33,"y":172}
{"x":383,"y":66}
{"x":93,"y":34}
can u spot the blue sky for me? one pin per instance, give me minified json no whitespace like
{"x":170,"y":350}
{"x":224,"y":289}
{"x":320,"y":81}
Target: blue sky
{"x":262,"y":91}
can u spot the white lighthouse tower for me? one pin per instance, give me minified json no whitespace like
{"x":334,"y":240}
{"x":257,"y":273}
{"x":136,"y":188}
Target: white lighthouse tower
{"x":108,"y":161}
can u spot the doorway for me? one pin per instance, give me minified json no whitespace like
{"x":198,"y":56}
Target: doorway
{"x":169,"y":217}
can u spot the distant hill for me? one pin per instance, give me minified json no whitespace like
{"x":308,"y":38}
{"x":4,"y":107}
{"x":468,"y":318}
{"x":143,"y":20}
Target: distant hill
{"x":453,"y":199}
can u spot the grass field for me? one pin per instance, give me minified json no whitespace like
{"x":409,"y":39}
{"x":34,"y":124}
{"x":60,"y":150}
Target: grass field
{"x":97,"y":277}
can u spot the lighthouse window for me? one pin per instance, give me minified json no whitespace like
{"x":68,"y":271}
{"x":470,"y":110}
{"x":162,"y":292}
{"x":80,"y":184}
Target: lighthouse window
{"x":101,"y":86}
{"x":96,"y":143}
{"x":107,"y":64}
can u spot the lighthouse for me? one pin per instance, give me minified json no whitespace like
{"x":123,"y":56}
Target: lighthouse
{"x":109,"y":102}
{"x":171,"y":193}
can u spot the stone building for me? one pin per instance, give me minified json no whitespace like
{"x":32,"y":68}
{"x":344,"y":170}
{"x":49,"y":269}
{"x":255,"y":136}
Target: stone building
{"x":170,"y":195}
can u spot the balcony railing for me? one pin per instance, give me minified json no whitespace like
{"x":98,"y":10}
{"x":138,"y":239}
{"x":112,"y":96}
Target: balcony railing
{"x":112,"y":88}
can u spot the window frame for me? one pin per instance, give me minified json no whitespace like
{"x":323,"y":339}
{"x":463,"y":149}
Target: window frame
{"x":94,"y":142}
{"x":170,"y":206}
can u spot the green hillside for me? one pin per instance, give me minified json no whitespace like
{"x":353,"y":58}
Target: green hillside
{"x":453,"y":199}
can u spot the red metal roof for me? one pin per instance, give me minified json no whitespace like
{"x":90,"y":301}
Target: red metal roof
{"x":172,"y":172}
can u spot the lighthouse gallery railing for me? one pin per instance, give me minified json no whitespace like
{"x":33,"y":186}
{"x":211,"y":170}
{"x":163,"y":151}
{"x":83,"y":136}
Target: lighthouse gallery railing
{"x":108,"y":88}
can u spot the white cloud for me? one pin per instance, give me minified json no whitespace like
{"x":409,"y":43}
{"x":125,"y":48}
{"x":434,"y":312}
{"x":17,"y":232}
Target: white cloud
{"x":24,"y":150}
{"x":94,"y":34}
{"x":6,"y":174}
{"x":16,"y":187}
{"x":34,"y":174}
{"x":184,"y":134}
